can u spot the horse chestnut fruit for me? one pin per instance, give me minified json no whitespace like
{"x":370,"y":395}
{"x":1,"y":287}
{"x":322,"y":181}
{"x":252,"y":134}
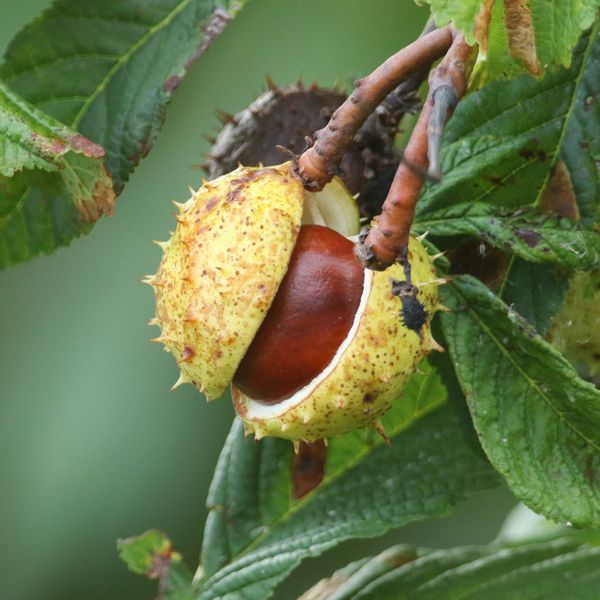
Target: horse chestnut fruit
{"x":249,"y":291}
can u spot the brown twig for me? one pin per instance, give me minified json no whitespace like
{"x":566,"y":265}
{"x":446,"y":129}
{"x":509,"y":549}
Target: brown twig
{"x":317,"y":165}
{"x":382,"y":124}
{"x":387,"y":241}
{"x":377,"y":139}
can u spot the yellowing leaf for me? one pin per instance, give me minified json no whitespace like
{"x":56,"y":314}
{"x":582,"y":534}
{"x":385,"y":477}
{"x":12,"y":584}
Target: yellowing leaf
{"x":482,"y":24}
{"x":113,"y":68}
{"x":521,"y":35}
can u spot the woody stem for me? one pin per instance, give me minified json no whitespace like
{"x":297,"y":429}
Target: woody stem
{"x":317,"y":165}
{"x":387,"y":241}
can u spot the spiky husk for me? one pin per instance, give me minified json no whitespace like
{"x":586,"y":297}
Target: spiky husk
{"x":221,"y":269}
{"x":217,"y":280}
{"x":366,"y":378}
{"x":285,"y":116}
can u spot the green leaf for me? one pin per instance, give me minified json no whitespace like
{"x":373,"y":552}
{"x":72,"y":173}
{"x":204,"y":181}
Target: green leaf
{"x":580,"y":147}
{"x":580,"y":142}
{"x":536,"y":237}
{"x":151,"y":554}
{"x":500,"y":149}
{"x":535,"y":291}
{"x":575,"y":330}
{"x":107,"y":69}
{"x":256,"y":533}
{"x":558,"y":26}
{"x":29,"y":139}
{"x":519,"y":36}
{"x":328,"y":586}
{"x":37,"y":152}
{"x":462,"y":13}
{"x":350,"y":580}
{"x":381,"y":576}
{"x":538,"y":422}
{"x":502,"y":142}
{"x":553,"y":570}
{"x":523,"y":526}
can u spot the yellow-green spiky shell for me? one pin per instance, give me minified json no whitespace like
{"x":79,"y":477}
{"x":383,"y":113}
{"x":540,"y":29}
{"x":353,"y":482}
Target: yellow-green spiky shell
{"x":222,"y":268}
{"x":369,"y":375}
{"x":218,"y":278}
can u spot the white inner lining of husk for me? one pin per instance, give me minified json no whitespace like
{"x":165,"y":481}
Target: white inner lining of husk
{"x":258,"y":410}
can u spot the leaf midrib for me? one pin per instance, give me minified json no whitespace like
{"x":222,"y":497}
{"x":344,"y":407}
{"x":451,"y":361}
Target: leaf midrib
{"x":98,"y":90}
{"x":525,"y":376}
{"x":537,"y":564}
{"x":125,"y":57}
{"x":568,"y":115}
{"x":6,"y":220}
{"x":565,"y":117}
{"x":474,"y":131}
{"x":333,"y":478}
{"x":518,"y":168}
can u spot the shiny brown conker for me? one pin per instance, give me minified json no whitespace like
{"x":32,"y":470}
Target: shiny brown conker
{"x":312,"y":313}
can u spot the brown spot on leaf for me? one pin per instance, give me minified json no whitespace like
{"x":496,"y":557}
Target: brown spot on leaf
{"x":308,"y":467}
{"x":530,"y":237}
{"x":87,"y":147}
{"x":46,"y":145}
{"x":399,"y":558}
{"x":590,"y":471}
{"x":589,"y":102}
{"x":533,"y":153}
{"x":161,"y":563}
{"x":144,"y":147}
{"x":558,"y":196}
{"x":495,"y":180}
{"x":211,"y":30}
{"x":520,"y":33}
{"x":101,"y":203}
{"x":173,"y":83}
{"x":325,"y":588}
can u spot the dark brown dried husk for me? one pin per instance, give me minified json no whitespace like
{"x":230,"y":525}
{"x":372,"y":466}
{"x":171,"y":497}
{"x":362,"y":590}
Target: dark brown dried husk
{"x":286,"y":116}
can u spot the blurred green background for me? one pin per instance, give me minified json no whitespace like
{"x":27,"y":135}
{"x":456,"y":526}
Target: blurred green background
{"x":93,"y":444}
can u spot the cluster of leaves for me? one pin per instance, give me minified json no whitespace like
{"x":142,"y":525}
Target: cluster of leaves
{"x":534,"y":571}
{"x":517,"y":36}
{"x":536,"y":419}
{"x":105,"y":69}
{"x":521,"y":173}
